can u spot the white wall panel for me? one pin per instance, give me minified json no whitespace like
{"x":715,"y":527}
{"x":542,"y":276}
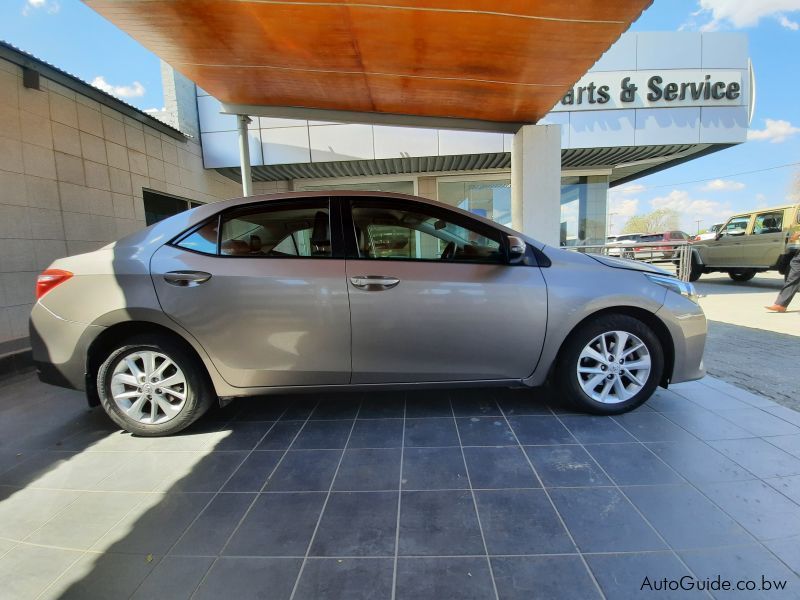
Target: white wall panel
{"x":725,"y":51}
{"x":221,"y":149}
{"x":341,"y":142}
{"x":723,"y":125}
{"x":602,"y":128}
{"x":270,"y":122}
{"x":668,"y":50}
{"x":620,"y":57}
{"x":285,"y":145}
{"x":469,"y":142}
{"x":398,"y":142}
{"x":656,"y":126}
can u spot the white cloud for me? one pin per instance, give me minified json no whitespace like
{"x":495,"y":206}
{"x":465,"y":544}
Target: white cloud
{"x":134,"y":90}
{"x":722,"y":185}
{"x":49,"y":6}
{"x":747,"y":13}
{"x":692,"y":209}
{"x":775,"y":131}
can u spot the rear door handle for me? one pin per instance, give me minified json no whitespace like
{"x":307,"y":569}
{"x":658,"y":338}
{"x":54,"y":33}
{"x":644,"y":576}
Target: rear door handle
{"x":374,"y":283}
{"x":186,"y":278}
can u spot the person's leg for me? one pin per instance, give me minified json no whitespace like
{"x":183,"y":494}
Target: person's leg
{"x":791,"y":286}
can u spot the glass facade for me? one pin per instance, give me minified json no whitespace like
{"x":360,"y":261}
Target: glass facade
{"x":398,"y":187}
{"x":490,"y":198}
{"x":584,"y":210}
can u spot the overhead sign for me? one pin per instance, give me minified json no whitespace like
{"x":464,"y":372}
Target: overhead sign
{"x":653,"y":89}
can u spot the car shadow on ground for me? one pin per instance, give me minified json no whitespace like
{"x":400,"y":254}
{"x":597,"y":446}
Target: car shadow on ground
{"x":728,"y":286}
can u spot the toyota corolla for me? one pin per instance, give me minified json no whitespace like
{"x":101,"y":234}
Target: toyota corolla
{"x":357,"y":290}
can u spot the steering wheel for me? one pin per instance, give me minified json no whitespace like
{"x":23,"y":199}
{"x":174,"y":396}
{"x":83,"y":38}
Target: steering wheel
{"x":449,"y":251}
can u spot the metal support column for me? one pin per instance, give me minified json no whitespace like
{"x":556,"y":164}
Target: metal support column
{"x":244,"y":155}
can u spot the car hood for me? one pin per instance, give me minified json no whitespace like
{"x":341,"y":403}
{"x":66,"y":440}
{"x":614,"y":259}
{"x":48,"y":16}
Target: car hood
{"x":630,"y":265}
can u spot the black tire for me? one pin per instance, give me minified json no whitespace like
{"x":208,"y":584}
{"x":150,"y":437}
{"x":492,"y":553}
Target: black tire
{"x":198,"y":389}
{"x":695,"y":271}
{"x":742,"y":275}
{"x":566,"y":376}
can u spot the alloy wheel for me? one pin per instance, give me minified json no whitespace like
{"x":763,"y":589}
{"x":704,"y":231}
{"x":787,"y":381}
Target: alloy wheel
{"x":148,"y":386}
{"x":613,"y":367}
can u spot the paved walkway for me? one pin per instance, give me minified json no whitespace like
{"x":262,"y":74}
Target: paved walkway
{"x":464,"y":494}
{"x":747,"y":346}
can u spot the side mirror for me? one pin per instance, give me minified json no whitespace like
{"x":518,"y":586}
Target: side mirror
{"x":516,"y":249}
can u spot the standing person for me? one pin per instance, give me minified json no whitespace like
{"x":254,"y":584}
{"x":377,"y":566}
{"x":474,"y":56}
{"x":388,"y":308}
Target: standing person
{"x":790,"y":288}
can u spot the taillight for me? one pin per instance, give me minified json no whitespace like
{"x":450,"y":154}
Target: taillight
{"x":50,"y":279}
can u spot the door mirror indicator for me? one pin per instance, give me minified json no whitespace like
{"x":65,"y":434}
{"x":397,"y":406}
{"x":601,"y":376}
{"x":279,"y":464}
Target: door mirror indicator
{"x":516,"y":249}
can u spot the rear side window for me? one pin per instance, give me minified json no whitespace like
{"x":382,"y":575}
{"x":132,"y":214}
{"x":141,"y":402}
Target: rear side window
{"x":658,"y":237}
{"x":203,"y":240}
{"x":771,"y":222}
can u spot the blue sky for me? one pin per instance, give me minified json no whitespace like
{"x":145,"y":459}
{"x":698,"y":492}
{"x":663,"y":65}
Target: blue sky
{"x":73,"y":37}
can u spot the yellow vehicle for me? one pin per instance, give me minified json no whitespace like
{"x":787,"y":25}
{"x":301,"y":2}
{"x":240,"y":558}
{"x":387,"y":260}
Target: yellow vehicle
{"x":750,"y":243}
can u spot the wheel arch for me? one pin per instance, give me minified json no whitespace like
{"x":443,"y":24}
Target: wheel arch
{"x":112,"y":336}
{"x":643,"y":315}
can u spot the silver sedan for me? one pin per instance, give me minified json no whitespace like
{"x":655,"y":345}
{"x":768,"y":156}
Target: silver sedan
{"x":352,"y":290}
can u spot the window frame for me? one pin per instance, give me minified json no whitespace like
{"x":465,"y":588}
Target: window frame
{"x":351,"y":245}
{"x":780,"y":212}
{"x":334,"y":215}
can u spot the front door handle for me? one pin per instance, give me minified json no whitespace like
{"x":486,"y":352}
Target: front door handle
{"x":374,"y":283}
{"x":186,"y":278}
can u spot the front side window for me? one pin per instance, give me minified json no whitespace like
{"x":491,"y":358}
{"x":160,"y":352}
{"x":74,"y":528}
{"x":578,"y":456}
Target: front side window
{"x":273,"y":230}
{"x":397,"y":231}
{"x":736,"y":224}
{"x":771,"y":222}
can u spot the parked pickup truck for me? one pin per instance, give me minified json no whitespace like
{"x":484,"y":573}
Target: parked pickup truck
{"x":750,"y":243}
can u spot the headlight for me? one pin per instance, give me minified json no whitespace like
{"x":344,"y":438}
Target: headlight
{"x":683,"y":288}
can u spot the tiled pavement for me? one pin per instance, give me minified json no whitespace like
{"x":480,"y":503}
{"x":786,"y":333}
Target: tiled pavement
{"x":446,"y":494}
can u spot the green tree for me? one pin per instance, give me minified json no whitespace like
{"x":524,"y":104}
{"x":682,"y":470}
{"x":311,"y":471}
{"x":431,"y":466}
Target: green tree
{"x":661,"y":219}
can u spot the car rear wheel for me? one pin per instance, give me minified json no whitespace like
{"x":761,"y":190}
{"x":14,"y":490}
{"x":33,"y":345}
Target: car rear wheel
{"x":153,"y":387}
{"x":610,"y":365}
{"x":742,"y":275}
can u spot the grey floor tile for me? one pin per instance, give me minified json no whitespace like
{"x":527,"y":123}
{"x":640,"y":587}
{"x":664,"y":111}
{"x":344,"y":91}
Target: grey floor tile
{"x":377,"y":433}
{"x":485,"y":431}
{"x":305,"y":470}
{"x":787,"y":443}
{"x":278,"y":525}
{"x":602,"y":520}
{"x":431,"y":432}
{"x":439,"y":578}
{"x":633,"y":576}
{"x":710,"y":398}
{"x":28,"y":509}
{"x":546,"y":577}
{"x":707,"y":425}
{"x":760,"y":509}
{"x":787,"y":550}
{"x":698,"y":462}
{"x":155,"y":524}
{"x":299,"y":408}
{"x":521,"y":522}
{"x":788,"y":486}
{"x":385,"y":405}
{"x":317,"y":435}
{"x":653,"y":427}
{"x":785,"y":413}
{"x":344,"y":406}
{"x":346,"y":578}
{"x":632,"y":464}
{"x":174,"y":577}
{"x":434,"y":469}
{"x":439,"y":523}
{"x":64,"y":470}
{"x":99,"y":577}
{"x":474,"y":403}
{"x":759,"y":422}
{"x":27,"y":570}
{"x":666,"y":400}
{"x":521,"y":402}
{"x":253,"y":472}
{"x":357,"y":524}
{"x":432,"y":403}
{"x":281,"y":435}
{"x":566,"y":466}
{"x":208,"y":534}
{"x":596,"y":430}
{"x":250,"y":579}
{"x":759,"y":457}
{"x":686,"y":518}
{"x":208,"y":474}
{"x":499,"y":467}
{"x":540,"y":431}
{"x":262,"y":409}
{"x":372,"y":469}
{"x":743,"y":563}
{"x":243,"y":435}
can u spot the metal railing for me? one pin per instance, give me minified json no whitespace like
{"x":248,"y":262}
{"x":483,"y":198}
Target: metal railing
{"x":675,"y":258}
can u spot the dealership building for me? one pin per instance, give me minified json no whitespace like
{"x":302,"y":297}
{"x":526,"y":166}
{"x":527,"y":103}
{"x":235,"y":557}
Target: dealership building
{"x":80,"y":168}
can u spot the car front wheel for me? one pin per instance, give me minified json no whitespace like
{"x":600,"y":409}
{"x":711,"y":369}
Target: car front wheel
{"x":153,"y":387}
{"x":610,"y":365}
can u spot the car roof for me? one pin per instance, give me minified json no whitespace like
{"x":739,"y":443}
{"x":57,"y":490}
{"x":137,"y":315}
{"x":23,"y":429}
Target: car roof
{"x":763,"y":210}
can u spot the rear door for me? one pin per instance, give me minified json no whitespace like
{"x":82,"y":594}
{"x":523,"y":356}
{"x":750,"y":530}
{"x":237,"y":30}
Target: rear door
{"x":433,"y":298}
{"x":262,"y":288}
{"x":765,"y":243}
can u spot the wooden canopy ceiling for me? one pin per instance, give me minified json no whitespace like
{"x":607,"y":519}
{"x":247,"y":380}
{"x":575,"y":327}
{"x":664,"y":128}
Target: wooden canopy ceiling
{"x":486,"y":60}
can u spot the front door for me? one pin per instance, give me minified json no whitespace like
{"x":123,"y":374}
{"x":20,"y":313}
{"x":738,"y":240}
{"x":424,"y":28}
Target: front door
{"x":727,"y":250}
{"x":433,"y":298}
{"x":266,"y":297}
